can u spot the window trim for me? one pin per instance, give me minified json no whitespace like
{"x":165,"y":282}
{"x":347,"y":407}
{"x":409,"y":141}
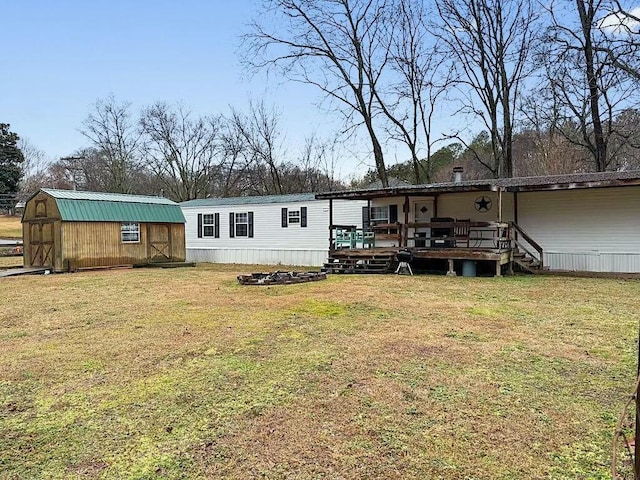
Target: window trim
{"x":132,"y":231}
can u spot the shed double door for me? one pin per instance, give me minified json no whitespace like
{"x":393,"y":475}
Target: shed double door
{"x":41,"y":244}
{"x":159,"y":242}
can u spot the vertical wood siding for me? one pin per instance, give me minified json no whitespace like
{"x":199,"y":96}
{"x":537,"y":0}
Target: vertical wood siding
{"x":98,"y":244}
{"x":94,"y":244}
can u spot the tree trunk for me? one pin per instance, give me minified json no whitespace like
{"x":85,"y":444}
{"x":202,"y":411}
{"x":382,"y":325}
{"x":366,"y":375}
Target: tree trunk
{"x":594,"y":93}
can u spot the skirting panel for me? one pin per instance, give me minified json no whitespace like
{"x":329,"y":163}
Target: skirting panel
{"x":307,"y":258}
{"x":616,"y":262}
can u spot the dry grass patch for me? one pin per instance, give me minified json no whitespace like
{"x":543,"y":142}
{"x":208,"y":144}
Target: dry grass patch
{"x":10,"y":262}
{"x":10,"y":227}
{"x":185,"y":374}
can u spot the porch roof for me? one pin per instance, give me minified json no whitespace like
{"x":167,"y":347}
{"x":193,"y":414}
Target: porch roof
{"x":516,"y":184}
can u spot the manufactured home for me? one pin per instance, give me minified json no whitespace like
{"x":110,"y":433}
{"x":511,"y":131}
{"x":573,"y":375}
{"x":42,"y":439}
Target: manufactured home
{"x":274,"y":229}
{"x":580,"y":222}
{"x":69,"y":230}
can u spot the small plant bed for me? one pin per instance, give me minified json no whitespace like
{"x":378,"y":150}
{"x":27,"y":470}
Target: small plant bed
{"x":280,"y":278}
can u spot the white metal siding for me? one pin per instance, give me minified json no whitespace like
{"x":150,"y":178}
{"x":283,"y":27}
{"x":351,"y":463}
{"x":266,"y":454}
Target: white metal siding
{"x":462,"y":205}
{"x":271,"y":243}
{"x":456,"y":205}
{"x":587,"y":230}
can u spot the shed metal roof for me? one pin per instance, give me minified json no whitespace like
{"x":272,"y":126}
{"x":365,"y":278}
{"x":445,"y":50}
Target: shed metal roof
{"x":77,"y":206}
{"x":256,"y":200}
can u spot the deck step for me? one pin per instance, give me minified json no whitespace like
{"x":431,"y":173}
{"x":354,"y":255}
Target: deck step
{"x":345,"y":263}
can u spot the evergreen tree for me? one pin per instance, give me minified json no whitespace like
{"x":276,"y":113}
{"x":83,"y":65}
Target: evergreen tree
{"x":11,"y":159}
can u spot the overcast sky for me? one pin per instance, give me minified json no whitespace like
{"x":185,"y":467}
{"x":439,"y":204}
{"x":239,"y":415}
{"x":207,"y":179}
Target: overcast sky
{"x":61,"y":56}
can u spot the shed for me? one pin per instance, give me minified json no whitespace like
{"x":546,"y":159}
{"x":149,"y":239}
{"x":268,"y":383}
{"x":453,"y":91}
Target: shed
{"x":69,"y":230}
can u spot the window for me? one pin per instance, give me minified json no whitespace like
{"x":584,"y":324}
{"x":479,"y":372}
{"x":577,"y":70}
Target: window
{"x":208,"y":225}
{"x":379,"y":214}
{"x":242,"y":224}
{"x":294,"y":216}
{"x":130,"y":232}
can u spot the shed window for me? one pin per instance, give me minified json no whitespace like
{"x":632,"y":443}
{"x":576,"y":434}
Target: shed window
{"x":130,"y":232}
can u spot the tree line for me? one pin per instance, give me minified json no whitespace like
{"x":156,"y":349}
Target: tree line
{"x":561,"y":74}
{"x":523,"y":88}
{"x":169,"y":150}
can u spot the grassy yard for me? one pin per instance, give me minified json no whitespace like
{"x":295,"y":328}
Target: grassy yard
{"x":148,"y":374}
{"x":9,"y":262}
{"x":10,"y":227}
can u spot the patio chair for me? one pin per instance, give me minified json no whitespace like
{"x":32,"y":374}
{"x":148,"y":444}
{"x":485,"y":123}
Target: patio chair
{"x":461,"y":232}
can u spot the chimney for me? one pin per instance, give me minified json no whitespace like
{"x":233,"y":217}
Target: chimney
{"x":457,"y":174}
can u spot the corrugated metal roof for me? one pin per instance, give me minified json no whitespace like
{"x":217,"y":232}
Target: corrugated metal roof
{"x":108,"y":197}
{"x":113,"y":207}
{"x":210,"y":202}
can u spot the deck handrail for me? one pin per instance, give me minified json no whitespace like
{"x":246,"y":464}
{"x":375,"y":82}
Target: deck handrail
{"x":540,"y":256}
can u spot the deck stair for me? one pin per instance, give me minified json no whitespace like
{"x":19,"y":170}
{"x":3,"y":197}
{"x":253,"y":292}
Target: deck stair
{"x":526,"y":263}
{"x":527,"y":254}
{"x":360,"y":263}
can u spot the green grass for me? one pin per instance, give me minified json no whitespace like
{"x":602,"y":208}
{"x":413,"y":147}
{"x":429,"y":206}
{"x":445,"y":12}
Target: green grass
{"x":143,"y":374}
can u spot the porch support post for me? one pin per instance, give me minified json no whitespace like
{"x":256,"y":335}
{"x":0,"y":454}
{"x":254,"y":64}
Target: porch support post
{"x":405,"y":230}
{"x":515,"y":214}
{"x":500,"y":205}
{"x":331,"y":224}
{"x":452,"y":271}
{"x":435,"y":206}
{"x":498,"y":269}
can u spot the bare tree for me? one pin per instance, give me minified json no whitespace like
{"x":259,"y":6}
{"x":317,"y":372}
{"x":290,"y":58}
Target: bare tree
{"x":584,"y":79}
{"x":260,"y":132}
{"x":489,"y":44}
{"x":420,"y":80}
{"x":316,"y":165}
{"x":182,"y":150}
{"x":338,"y":46}
{"x":622,"y":26}
{"x":112,"y":131}
{"x":34,"y":168}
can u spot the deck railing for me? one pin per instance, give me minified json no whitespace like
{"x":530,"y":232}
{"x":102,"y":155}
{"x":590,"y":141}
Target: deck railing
{"x":455,"y":234}
{"x":529,"y":245}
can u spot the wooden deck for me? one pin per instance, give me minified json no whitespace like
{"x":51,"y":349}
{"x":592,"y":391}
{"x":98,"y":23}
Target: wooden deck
{"x":367,"y":250}
{"x":383,"y":259}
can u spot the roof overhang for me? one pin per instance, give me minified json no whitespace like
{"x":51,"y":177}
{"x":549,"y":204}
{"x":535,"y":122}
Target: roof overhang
{"x":517,"y":184}
{"x":414,"y":190}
